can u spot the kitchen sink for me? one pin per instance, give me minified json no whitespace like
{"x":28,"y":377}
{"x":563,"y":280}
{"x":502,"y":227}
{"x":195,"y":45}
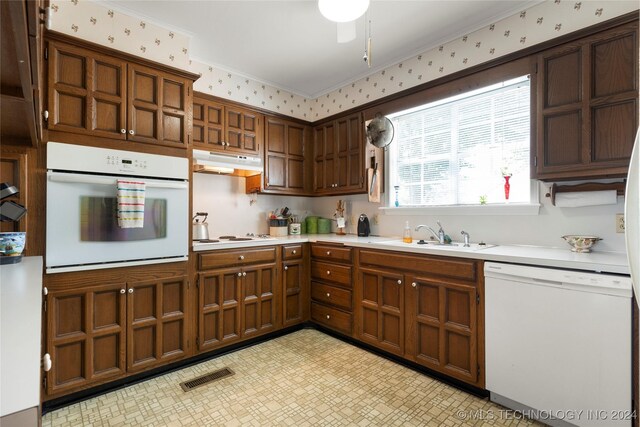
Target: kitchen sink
{"x":428,"y":244}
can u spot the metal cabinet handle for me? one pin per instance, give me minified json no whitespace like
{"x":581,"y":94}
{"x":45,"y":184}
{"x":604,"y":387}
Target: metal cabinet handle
{"x":328,"y":295}
{"x":286,"y":268}
{"x":294,"y":252}
{"x":244,"y":273}
{"x":241,"y":257}
{"x":130,"y":290}
{"x":328,"y":273}
{"x":123,"y":131}
{"x":399,"y":282}
{"x":122,"y":291}
{"x":131,"y":132}
{"x":328,"y":252}
{"x":414,"y":284}
{"x":239,"y":274}
{"x":328,"y":317}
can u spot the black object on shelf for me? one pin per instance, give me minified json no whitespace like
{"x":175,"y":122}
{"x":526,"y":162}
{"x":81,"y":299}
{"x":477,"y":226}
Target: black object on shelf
{"x":9,"y":210}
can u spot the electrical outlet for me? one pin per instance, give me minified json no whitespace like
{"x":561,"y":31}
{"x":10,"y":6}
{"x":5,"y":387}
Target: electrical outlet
{"x":375,"y":219}
{"x":619,"y":223}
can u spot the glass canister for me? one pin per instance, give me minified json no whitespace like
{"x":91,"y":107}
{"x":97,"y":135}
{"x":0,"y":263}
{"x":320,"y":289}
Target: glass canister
{"x":294,"y":228}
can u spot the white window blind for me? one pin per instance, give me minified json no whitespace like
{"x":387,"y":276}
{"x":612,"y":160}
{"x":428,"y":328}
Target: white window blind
{"x":454,"y":151}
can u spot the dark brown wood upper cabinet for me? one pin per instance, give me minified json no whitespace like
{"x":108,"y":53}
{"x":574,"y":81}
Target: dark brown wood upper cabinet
{"x":286,"y":143}
{"x":587,"y":108}
{"x":339,"y":156}
{"x":220,"y":126}
{"x":95,"y":94}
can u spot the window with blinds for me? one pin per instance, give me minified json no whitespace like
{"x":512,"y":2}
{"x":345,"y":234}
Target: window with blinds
{"x":455,"y":151}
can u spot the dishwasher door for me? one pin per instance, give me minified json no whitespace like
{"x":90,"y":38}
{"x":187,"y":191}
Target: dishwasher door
{"x":559,"y":342}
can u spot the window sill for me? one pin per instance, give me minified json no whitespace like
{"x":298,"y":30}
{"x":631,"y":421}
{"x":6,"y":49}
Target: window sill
{"x":495,"y":209}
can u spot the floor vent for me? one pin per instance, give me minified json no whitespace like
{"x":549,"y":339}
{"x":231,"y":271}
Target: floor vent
{"x":206,"y":379}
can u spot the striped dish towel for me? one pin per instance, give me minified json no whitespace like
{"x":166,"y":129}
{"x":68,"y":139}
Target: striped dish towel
{"x":130,"y":203}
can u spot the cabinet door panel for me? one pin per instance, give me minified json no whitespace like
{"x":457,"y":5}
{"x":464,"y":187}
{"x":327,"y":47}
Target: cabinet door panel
{"x":380,"y":309}
{"x":615,"y":69}
{"x":276,"y":136}
{"x":295,"y":292}
{"x":86,"y":92}
{"x":563,"y":139}
{"x":614,"y":128}
{"x":218,"y":308}
{"x":258,"y":308}
{"x":587,"y":108}
{"x":276,"y":170}
{"x":86,"y":336}
{"x":442,"y":320}
{"x":295,"y":140}
{"x":156,"y":322}
{"x":563,"y":78}
{"x":295,"y":174}
{"x":157,"y":104}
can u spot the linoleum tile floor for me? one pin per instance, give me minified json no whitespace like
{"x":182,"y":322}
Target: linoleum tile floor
{"x":305,"y":378}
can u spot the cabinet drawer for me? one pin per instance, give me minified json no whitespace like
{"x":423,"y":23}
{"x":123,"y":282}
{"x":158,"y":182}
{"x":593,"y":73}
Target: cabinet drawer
{"x":331,"y":317}
{"x":327,"y":271}
{"x":292,"y":252}
{"x":331,"y":295}
{"x":333,"y":253}
{"x":229,"y":258}
{"x":457,"y":268}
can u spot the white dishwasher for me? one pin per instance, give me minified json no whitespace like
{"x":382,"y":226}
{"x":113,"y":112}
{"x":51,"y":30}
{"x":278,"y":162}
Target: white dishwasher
{"x":558,"y":344}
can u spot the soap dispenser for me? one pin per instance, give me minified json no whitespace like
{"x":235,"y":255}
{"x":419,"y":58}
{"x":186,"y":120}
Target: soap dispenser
{"x":406,"y":236}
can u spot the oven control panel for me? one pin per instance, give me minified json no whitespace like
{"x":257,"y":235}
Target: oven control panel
{"x":126,"y":164}
{"x":79,"y":158}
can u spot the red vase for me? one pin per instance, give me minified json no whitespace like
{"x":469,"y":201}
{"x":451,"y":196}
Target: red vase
{"x":507,"y":187}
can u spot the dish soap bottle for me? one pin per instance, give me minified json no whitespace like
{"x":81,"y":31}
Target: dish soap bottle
{"x":406,"y":236}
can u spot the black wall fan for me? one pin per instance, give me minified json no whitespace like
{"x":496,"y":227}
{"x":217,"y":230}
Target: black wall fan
{"x":380,"y":131}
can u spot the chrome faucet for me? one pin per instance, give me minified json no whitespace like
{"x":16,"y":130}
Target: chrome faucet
{"x":439,"y":235}
{"x":466,"y":238}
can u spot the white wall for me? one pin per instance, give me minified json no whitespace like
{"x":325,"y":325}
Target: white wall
{"x":544,"y":229}
{"x":230,"y":212}
{"x":229,"y":208}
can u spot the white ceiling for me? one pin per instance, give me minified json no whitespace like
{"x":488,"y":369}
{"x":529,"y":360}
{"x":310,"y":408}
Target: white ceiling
{"x":290,"y":45}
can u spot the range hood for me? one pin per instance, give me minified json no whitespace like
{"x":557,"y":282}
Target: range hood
{"x":226,"y":164}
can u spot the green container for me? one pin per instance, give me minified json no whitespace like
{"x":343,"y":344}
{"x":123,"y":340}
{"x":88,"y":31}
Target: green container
{"x":324,"y":226}
{"x":312,"y":224}
{"x":303,"y":227}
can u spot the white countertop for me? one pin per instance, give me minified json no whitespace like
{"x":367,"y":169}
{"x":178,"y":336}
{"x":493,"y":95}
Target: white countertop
{"x":20,"y":324}
{"x":606,"y":262}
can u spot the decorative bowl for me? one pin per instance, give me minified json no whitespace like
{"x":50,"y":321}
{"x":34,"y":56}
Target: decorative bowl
{"x":581,"y":243}
{"x":12,"y":243}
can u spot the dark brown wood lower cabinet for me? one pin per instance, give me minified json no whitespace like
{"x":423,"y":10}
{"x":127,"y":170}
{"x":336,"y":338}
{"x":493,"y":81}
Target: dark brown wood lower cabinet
{"x":91,"y":328}
{"x":442,"y":326}
{"x":156,"y":323}
{"x":380,"y":309}
{"x":218,"y":308}
{"x":295,"y":301}
{"x":258,"y":302}
{"x":234,"y":303}
{"x":86,"y":336}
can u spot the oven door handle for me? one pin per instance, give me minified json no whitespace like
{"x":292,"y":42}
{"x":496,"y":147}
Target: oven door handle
{"x":89,"y":179}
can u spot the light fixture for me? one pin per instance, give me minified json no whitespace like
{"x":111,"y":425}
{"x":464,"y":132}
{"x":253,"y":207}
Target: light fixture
{"x":343,"y":10}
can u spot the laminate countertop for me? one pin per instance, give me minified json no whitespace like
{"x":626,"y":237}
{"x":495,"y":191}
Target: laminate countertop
{"x":604,"y":262}
{"x":20,"y":327}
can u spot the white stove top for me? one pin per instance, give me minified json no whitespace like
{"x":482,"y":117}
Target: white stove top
{"x":249,"y":238}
